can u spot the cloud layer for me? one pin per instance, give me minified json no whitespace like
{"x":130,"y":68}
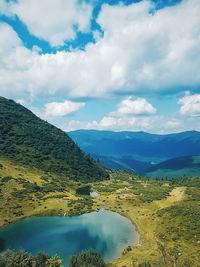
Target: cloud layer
{"x":139,"y":52}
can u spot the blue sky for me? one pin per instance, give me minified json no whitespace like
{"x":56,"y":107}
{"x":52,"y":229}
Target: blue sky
{"x":109,"y":65}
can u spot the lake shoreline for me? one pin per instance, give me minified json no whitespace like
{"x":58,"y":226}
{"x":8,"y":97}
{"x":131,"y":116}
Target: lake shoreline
{"x":79,"y":214}
{"x":135,"y":241}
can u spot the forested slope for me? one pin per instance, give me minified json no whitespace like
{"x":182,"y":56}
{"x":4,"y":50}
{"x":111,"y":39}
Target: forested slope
{"x":28,"y":140}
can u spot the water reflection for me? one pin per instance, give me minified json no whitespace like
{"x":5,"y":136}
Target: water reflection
{"x":106,"y":231}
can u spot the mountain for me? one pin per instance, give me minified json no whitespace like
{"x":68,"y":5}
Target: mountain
{"x":136,"y":151}
{"x":122,"y":163}
{"x":183,"y":166}
{"x":30,"y":141}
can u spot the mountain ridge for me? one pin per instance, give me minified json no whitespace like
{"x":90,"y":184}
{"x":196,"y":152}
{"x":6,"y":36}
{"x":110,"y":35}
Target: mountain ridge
{"x":141,"y":147}
{"x":27,"y":139}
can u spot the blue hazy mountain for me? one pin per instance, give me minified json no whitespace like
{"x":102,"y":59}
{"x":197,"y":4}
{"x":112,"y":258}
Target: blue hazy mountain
{"x":136,"y":151}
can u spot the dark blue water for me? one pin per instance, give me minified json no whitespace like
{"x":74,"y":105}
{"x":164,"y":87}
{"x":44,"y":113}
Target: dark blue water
{"x":105,"y":231}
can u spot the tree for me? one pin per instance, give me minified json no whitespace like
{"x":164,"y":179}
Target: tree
{"x":23,"y":259}
{"x":89,"y":258}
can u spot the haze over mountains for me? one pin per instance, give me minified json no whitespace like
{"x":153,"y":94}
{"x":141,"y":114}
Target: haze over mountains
{"x":142,"y":152}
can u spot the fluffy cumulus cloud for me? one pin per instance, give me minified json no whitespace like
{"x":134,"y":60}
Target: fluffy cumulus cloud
{"x":52,"y":20}
{"x":15,"y":62}
{"x":62,"y":108}
{"x":138,"y":106}
{"x":154,"y":52}
{"x":190,"y":104}
{"x":138,"y":52}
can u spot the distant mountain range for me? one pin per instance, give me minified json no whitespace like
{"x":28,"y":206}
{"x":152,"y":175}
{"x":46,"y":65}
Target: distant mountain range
{"x":142,"y":152}
{"x":30,"y":141}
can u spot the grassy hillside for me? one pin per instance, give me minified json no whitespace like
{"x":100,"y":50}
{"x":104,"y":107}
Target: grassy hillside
{"x":31,"y":141}
{"x":174,"y":168}
{"x":26,"y":191}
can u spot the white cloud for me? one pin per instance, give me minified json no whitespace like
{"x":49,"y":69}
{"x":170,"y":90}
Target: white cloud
{"x":126,"y":123}
{"x":138,"y":106}
{"x":21,"y":101}
{"x":62,"y":108}
{"x":157,"y":51}
{"x":173,"y":123}
{"x":97,"y":35}
{"x":9,"y":41}
{"x":53,"y":20}
{"x":4,"y":8}
{"x":138,"y":52}
{"x":190,"y":104}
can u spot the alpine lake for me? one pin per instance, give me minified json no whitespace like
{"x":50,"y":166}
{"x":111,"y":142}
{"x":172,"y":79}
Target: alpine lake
{"x":105,"y":231}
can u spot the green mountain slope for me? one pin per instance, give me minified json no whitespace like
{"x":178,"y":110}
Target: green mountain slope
{"x":174,"y":168}
{"x":28,"y":140}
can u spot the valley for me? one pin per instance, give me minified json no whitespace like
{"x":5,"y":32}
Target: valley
{"x":44,"y":173}
{"x":165,"y":213}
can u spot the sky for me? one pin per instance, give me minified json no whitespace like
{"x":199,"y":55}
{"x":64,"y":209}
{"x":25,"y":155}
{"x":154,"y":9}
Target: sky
{"x":104,"y":64}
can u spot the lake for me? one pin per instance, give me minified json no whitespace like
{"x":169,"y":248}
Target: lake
{"x":105,"y":231}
